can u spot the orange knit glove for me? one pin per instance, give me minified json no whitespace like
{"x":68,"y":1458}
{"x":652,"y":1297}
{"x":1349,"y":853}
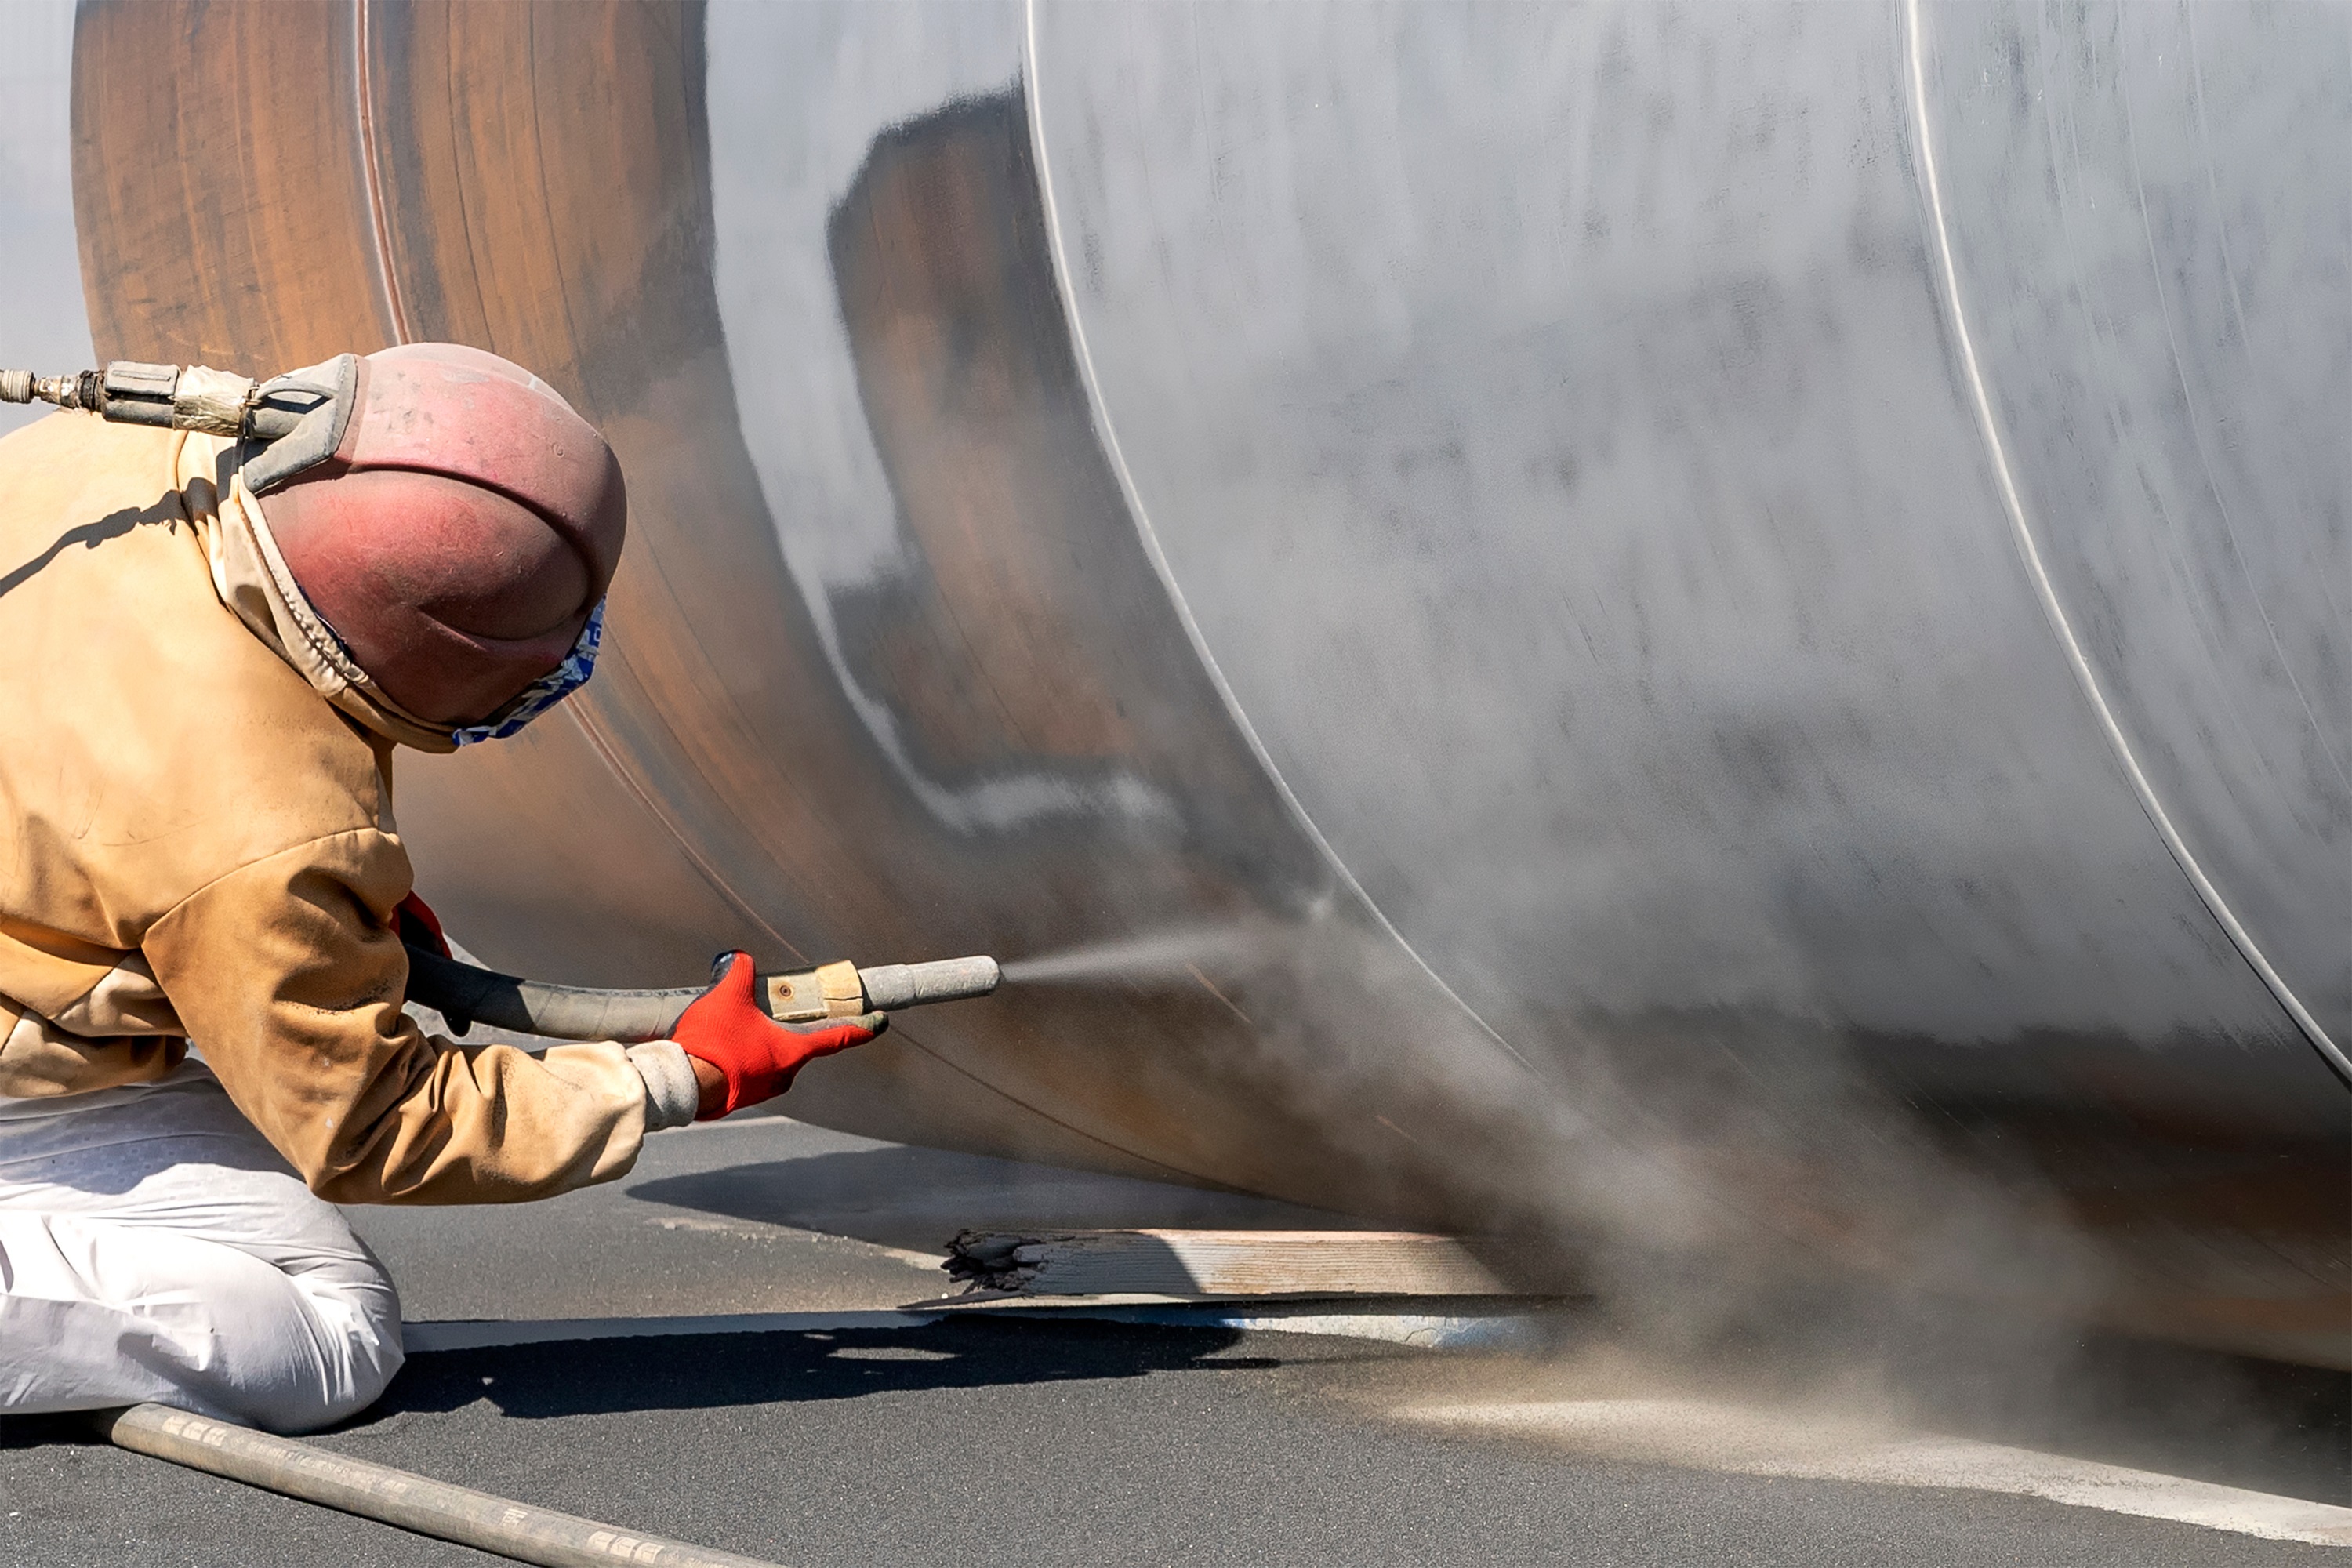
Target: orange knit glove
{"x":756,"y":1055}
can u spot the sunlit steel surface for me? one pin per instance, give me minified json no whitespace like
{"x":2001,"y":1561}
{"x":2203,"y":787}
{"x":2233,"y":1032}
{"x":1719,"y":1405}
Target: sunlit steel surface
{"x":1696,"y":623}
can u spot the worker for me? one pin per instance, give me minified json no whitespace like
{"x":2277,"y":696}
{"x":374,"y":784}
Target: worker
{"x":208,"y":651}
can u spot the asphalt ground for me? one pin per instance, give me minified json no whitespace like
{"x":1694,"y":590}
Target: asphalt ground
{"x":986,"y":1439}
{"x":1049,"y":1443}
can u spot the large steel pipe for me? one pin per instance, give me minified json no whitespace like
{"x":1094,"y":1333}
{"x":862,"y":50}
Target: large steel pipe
{"x":1706,"y":630}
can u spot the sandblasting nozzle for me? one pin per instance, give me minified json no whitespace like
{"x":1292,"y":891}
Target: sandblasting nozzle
{"x":844,"y":990}
{"x":890,"y":986}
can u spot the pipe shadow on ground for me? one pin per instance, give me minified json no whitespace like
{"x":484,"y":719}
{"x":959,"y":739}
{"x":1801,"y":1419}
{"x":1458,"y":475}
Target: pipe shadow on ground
{"x":700,"y":1371}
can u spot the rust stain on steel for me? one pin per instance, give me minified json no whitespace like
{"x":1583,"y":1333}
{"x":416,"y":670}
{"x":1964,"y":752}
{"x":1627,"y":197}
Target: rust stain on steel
{"x":192,"y":250}
{"x":993,"y":646}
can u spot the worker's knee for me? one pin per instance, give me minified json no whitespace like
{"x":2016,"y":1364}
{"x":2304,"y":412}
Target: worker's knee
{"x":291,"y":1338}
{"x":302,"y":1348}
{"x":161,"y":1251}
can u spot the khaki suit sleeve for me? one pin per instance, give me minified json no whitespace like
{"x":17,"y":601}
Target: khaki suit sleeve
{"x":289,"y":980}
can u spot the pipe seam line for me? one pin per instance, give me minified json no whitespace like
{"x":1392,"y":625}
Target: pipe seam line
{"x":2045,"y":590}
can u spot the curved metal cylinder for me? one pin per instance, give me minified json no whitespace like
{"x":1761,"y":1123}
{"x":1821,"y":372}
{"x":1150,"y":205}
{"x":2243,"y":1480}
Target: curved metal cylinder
{"x":1702,"y":629}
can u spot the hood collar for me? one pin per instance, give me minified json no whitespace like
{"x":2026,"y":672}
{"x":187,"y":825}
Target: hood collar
{"x":253,"y":581}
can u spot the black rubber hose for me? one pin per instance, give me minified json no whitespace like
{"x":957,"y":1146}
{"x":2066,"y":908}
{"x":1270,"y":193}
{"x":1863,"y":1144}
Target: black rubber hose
{"x":401,"y":1498}
{"x":466,"y":994}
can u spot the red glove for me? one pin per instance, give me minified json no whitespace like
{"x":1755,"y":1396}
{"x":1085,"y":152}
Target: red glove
{"x":418,"y":926}
{"x":756,"y":1055}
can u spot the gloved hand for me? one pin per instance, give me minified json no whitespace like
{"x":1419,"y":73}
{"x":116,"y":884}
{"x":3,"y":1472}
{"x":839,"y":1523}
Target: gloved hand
{"x":726,"y":1028}
{"x":414,"y":922}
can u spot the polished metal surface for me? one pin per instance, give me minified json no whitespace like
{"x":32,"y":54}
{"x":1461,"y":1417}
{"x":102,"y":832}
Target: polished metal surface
{"x":1587,"y":509}
{"x":1719,"y":630}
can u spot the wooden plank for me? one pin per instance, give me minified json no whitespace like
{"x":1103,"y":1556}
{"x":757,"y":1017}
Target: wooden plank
{"x":1221,"y":1263}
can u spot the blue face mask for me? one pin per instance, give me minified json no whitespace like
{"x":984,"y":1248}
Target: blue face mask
{"x":546,"y":691}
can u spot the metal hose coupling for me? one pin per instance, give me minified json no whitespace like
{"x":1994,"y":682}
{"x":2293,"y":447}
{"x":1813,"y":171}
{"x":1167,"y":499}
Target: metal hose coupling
{"x":192,"y":397}
{"x":128,"y":392}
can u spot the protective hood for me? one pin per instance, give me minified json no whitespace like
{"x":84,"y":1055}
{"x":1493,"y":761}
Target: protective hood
{"x":252,"y":580}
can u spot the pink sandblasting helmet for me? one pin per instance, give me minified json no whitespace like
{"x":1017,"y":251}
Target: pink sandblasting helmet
{"x":462,"y":532}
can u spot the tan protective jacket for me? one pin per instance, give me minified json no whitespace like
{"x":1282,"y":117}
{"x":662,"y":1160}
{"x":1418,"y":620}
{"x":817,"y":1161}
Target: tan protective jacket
{"x":195,"y":843}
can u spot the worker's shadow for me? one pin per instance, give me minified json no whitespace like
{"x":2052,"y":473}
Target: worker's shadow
{"x":700,"y":1371}
{"x":167,"y":509}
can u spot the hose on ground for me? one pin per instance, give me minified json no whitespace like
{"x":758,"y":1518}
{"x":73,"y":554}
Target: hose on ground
{"x":399,"y":1498}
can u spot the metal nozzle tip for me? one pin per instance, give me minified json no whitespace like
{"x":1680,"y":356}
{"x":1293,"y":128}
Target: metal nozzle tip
{"x":894,"y":985}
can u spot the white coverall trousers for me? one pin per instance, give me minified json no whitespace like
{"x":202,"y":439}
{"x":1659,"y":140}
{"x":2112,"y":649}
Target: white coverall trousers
{"x":154,"y":1247}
